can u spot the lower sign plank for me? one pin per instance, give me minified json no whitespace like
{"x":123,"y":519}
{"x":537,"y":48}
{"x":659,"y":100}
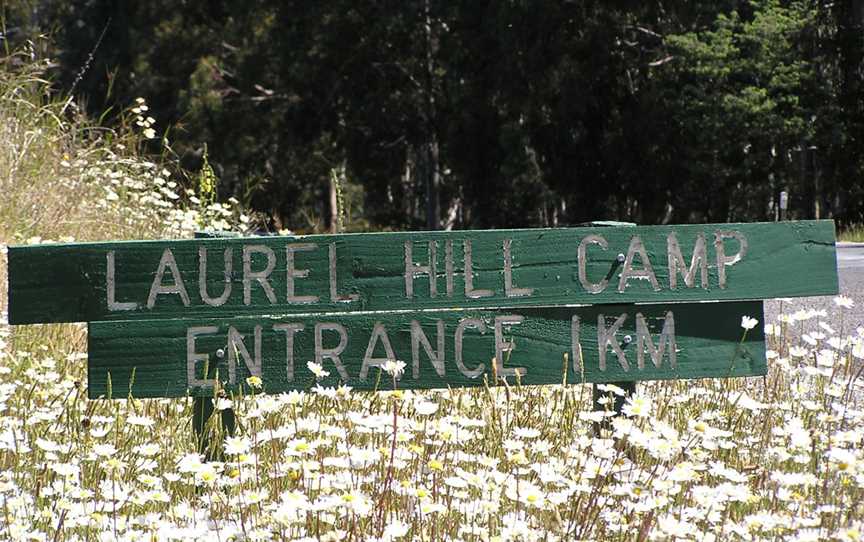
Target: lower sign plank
{"x":602,"y":343}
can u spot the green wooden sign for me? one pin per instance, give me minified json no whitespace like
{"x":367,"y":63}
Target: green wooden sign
{"x":226,"y":278}
{"x":592,"y":304}
{"x":605,"y":343}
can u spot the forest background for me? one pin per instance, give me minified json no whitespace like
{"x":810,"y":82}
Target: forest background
{"x":431,"y":114}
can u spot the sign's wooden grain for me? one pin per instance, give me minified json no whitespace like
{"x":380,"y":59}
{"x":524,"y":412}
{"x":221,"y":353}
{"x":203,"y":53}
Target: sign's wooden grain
{"x":225,"y":278}
{"x":608,"y":343}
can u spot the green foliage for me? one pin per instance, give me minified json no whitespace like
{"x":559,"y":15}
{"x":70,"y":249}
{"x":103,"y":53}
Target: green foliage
{"x":67,"y":178}
{"x":852,"y":234}
{"x":502,"y":115}
{"x":747,"y":88}
{"x":207,"y":192}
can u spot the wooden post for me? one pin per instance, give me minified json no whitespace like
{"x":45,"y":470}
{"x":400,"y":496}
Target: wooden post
{"x":617,"y":406}
{"x":202,"y":410}
{"x":628,"y":387}
{"x":203,"y":407}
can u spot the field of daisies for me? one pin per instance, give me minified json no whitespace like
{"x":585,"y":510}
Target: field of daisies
{"x":773,"y":458}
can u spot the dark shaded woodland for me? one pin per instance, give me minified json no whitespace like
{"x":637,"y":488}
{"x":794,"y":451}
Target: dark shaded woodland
{"x":487,"y":114}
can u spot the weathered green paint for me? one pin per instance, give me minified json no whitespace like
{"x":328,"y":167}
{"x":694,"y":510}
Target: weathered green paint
{"x":708,"y":340}
{"x":59,"y":283}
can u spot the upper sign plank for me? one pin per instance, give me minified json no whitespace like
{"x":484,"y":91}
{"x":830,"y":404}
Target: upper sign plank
{"x":422,"y":270}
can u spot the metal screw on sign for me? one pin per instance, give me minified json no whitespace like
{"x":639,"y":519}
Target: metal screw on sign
{"x":203,"y":407}
{"x":629,"y":388}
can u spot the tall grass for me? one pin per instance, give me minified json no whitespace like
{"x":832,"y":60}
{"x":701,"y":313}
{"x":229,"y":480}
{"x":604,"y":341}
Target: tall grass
{"x":42,"y":163}
{"x":773,"y":458}
{"x":852,"y":234}
{"x":64,"y":178}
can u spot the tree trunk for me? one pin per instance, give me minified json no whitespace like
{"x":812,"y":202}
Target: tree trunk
{"x":850,"y":40}
{"x":432,"y":170}
{"x":334,"y":206}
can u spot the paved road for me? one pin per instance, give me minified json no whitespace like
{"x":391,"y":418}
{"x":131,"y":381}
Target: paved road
{"x":850,"y":267}
{"x":850,"y":256}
